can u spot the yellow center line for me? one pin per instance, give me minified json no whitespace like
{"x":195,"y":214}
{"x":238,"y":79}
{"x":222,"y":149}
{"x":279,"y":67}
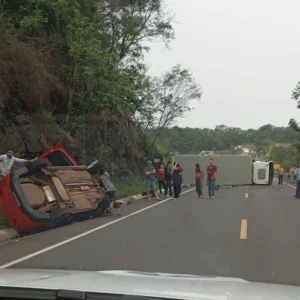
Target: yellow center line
{"x":243,"y":234}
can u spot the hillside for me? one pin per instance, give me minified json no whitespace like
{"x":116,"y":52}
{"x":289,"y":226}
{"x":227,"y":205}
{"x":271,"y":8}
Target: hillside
{"x":112,"y":139}
{"x":72,"y":71}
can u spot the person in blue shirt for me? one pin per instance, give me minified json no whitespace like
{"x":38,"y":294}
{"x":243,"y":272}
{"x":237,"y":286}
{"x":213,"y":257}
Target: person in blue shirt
{"x":297,"y":173}
{"x":168,"y":178}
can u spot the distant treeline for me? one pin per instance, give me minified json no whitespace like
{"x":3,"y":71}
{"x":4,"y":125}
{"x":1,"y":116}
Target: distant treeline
{"x":194,"y":140}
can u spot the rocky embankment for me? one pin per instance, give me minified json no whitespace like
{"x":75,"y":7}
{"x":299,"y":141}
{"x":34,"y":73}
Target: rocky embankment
{"x":111,"y":138}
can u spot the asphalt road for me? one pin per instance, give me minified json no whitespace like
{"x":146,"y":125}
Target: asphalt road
{"x":255,"y":238}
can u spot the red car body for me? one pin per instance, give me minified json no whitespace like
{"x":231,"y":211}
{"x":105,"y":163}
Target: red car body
{"x":14,"y":211}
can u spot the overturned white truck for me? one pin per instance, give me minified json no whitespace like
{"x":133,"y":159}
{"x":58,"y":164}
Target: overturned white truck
{"x":232,"y":169}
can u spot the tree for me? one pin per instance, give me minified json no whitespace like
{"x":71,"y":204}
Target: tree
{"x":284,"y":156}
{"x":294,"y":125}
{"x":295,"y":96}
{"x":126,"y":24}
{"x":98,"y":46}
{"x":262,"y":146}
{"x":168,"y":100}
{"x":224,"y":139}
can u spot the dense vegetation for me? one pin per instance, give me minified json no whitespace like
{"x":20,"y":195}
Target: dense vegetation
{"x":75,"y":58}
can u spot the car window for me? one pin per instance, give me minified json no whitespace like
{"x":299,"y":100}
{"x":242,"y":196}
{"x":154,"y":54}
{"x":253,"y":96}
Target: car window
{"x":58,"y":158}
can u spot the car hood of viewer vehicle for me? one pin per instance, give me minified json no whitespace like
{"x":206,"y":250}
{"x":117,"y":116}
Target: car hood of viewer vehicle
{"x":161,"y":285}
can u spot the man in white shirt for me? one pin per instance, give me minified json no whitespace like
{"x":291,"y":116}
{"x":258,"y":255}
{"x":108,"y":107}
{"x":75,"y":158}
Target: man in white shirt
{"x":6,"y":162}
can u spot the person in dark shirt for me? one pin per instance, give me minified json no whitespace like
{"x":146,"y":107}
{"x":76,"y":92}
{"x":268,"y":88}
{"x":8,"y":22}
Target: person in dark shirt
{"x":150,"y":179}
{"x":180,"y":173}
{"x":177,"y":180}
{"x":211,"y":176}
{"x":168,"y":178}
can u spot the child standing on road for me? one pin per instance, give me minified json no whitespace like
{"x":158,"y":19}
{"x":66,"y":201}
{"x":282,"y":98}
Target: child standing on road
{"x":161,"y":178}
{"x":199,"y":180}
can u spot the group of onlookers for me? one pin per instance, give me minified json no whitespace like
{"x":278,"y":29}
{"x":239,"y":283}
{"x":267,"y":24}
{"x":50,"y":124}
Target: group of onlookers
{"x":294,"y":175}
{"x":170,"y":179}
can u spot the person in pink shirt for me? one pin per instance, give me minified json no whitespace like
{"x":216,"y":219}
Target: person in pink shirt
{"x":199,"y":180}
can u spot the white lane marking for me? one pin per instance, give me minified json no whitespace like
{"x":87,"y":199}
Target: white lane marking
{"x":291,"y":186}
{"x":14,"y":262}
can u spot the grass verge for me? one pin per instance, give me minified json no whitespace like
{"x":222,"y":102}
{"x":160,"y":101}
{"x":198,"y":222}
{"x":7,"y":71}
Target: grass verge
{"x":130,"y":186}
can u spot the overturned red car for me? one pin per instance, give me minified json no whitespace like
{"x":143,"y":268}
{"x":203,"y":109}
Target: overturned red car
{"x":53,"y":191}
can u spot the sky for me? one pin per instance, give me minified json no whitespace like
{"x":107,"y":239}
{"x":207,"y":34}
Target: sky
{"x":244,"y":54}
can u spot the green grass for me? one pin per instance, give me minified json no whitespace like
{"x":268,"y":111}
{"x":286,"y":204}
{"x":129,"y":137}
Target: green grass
{"x":129,"y":187}
{"x":3,"y":220}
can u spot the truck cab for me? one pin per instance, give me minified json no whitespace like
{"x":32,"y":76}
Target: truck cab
{"x":263,"y":172}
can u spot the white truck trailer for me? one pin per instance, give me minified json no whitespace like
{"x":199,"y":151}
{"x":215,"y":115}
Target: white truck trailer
{"x":232,"y":169}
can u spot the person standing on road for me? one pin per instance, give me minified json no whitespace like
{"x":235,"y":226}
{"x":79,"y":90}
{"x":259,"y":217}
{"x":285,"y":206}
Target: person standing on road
{"x":211,"y":177}
{"x":199,"y":180}
{"x":177,"y":180}
{"x":150,"y":179}
{"x":161,"y":178}
{"x":281,"y":175}
{"x":7,"y":160}
{"x":297,"y":173}
{"x":180,"y":174}
{"x":292,"y":174}
{"x":168,"y":178}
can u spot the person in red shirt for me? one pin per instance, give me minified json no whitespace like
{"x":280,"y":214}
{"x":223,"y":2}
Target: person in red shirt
{"x":161,"y":178}
{"x":199,"y":180}
{"x":211,"y":176}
